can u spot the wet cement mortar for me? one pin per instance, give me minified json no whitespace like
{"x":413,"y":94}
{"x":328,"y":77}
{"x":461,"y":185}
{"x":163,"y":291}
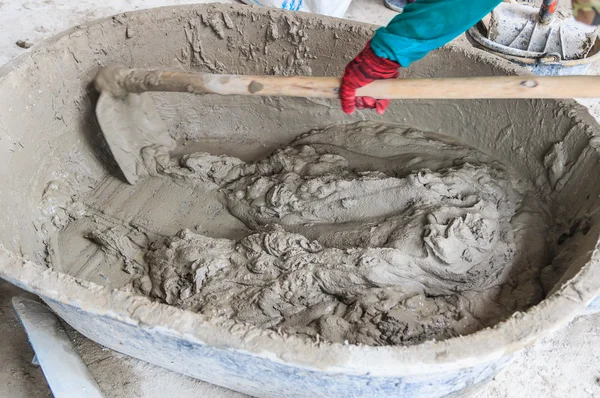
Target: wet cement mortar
{"x":365,"y":233}
{"x":138,"y":378}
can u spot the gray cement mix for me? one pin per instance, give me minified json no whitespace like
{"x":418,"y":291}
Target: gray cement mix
{"x":365,"y":233}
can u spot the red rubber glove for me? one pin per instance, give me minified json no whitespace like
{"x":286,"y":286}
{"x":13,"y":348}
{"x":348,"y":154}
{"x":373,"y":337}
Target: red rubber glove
{"x":362,"y":70}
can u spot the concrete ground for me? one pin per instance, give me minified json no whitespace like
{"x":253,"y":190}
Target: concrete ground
{"x":566,"y":365}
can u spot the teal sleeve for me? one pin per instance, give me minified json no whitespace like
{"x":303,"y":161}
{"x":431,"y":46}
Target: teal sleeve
{"x":426,"y":25}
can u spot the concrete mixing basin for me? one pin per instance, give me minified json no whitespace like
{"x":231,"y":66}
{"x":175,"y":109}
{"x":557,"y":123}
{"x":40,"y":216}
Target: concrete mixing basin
{"x":53,"y":153}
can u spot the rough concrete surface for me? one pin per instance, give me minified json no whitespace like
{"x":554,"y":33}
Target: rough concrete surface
{"x":566,"y":365}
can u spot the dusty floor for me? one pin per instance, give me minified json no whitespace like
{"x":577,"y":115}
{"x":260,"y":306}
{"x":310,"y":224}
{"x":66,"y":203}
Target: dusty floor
{"x":566,"y":365}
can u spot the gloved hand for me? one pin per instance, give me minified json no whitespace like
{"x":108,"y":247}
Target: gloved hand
{"x":362,"y":70}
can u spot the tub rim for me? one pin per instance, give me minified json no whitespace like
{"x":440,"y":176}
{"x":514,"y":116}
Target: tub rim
{"x":519,"y":331}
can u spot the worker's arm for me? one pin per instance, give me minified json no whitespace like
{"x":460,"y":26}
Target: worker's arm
{"x":423,"y":26}
{"x":426,"y":25}
{"x":587,"y":11}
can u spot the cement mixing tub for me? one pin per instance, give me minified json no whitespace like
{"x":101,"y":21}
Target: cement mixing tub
{"x":50,"y":142}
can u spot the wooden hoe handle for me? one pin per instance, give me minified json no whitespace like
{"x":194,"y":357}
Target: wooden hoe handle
{"x":120,"y":80}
